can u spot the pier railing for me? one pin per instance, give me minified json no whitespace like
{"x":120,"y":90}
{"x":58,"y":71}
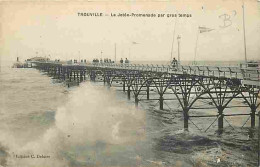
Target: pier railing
{"x":240,"y":72}
{"x":249,"y":73}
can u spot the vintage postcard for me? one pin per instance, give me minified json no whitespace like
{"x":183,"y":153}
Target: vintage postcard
{"x":129,"y":83}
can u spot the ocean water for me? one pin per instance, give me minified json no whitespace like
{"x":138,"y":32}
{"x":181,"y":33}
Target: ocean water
{"x":91,"y":125}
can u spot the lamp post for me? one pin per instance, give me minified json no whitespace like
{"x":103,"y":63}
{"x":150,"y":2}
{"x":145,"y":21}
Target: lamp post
{"x":244,"y":31}
{"x":173,"y":38}
{"x":196,"y":45}
{"x":179,"y":40}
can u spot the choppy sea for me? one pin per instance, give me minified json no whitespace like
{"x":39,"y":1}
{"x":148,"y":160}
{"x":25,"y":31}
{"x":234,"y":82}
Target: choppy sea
{"x":43,"y":123}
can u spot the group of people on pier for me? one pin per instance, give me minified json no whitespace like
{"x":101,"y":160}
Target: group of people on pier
{"x":75,"y":61}
{"x":122,"y":61}
{"x":106,"y":60}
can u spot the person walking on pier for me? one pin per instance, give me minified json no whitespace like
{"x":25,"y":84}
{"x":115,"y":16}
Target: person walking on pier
{"x":174,"y":62}
{"x":121,"y":61}
{"x":126,"y":60}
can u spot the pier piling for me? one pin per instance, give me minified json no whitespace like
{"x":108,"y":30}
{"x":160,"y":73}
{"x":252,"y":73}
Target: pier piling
{"x":186,"y":118}
{"x":220,"y":118}
{"x":128,"y":92}
{"x":161,"y":102}
{"x":253,"y":111}
{"x":147,"y":92}
{"x":123,"y":85}
{"x":136,"y":100}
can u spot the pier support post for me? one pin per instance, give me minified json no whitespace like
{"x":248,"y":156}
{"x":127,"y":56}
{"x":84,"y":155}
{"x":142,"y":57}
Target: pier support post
{"x":59,"y":71}
{"x":136,"y":100}
{"x":93,"y":76}
{"x":80,"y":76}
{"x":70,"y":75}
{"x":161,"y":101}
{"x":77,"y":76}
{"x":128,"y":93}
{"x":54,"y":71}
{"x":186,"y":118}
{"x":253,"y":111}
{"x":63,"y":74}
{"x":147,"y":93}
{"x":220,"y":118}
{"x":104,"y":79}
{"x":123,"y":85}
{"x":108,"y":83}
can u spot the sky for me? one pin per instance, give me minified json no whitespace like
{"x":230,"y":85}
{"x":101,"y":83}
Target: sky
{"x":54,"y":30}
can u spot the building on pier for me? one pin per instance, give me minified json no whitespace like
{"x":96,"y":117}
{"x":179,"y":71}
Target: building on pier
{"x":40,"y":59}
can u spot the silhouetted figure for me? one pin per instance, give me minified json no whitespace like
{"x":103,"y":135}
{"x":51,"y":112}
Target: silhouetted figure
{"x":95,"y":61}
{"x":121,"y":61}
{"x":126,"y":60}
{"x":174,"y":62}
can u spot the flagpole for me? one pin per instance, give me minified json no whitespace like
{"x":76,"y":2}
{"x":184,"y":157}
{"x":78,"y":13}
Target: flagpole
{"x":244,"y":31}
{"x":179,"y":40}
{"x":173,"y":37}
{"x":196,"y":45}
{"x":115,"y":52}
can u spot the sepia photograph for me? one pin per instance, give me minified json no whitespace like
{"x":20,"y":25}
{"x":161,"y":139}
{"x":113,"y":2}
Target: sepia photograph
{"x":133,"y":83}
